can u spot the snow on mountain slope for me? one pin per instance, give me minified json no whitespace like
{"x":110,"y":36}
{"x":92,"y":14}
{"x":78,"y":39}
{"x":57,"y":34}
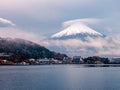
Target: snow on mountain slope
{"x":77,"y":29}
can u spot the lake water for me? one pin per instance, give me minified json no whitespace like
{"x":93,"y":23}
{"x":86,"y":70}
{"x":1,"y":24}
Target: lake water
{"x":59,"y":77}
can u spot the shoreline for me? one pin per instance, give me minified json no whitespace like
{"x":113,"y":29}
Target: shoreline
{"x":86,"y":65}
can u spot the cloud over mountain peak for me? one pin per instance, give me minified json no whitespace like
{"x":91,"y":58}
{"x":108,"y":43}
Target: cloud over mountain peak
{"x":77,"y":28}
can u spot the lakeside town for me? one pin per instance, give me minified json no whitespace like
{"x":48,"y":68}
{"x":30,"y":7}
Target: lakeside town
{"x":5,"y":60}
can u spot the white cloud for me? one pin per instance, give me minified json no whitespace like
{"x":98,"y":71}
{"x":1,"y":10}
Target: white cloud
{"x":92,"y":46}
{"x":17,"y":33}
{"x":7,"y":30}
{"x":84,"y":21}
{"x":90,"y":22}
{"x":5,"y":22}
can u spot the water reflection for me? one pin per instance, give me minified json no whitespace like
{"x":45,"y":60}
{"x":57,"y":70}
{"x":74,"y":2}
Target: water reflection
{"x":60,"y":77}
{"x":101,"y":65}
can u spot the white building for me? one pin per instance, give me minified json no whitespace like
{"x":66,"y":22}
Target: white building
{"x":4,"y":61}
{"x":32,"y":59}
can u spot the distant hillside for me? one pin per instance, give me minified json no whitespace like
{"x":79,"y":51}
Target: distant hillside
{"x":22,"y":49}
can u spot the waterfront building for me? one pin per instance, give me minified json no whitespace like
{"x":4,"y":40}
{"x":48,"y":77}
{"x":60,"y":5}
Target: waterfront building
{"x":115,"y":60}
{"x":77,"y":59}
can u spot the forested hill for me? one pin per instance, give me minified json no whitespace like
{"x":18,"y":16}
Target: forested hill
{"x":23,"y":49}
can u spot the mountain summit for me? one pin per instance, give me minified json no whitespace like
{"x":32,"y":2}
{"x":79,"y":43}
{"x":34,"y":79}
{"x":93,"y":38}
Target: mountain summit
{"x":78,"y":30}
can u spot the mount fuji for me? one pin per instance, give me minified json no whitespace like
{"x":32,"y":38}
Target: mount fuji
{"x":77,"y":31}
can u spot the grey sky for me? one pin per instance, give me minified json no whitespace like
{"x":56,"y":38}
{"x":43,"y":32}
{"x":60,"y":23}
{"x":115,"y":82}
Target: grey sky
{"x":45,"y":17}
{"x":36,"y":20}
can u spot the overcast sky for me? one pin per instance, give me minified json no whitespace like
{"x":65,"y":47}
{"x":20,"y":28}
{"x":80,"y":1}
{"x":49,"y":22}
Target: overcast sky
{"x":45,"y":17}
{"x":36,"y":20}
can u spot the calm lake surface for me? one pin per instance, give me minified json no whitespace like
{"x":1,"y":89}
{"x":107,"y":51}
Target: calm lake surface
{"x":59,"y":77}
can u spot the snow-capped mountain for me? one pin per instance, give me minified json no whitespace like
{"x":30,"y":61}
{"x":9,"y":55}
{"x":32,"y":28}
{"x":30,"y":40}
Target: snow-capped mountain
{"x":76,"y":31}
